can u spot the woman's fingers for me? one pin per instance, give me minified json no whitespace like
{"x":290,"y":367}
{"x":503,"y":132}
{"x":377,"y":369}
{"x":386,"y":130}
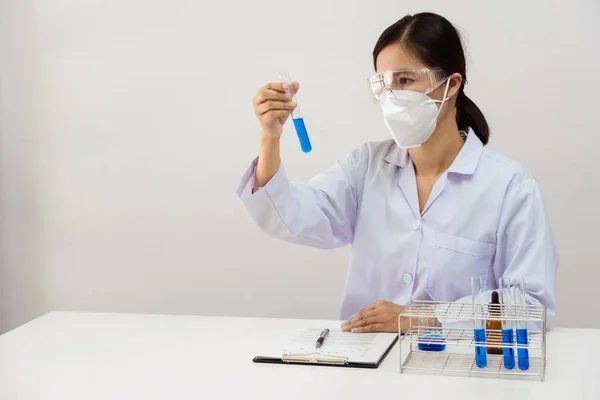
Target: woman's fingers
{"x":358,"y":319}
{"x":274,"y":105}
{"x":284,"y":86}
{"x":272,"y":115}
{"x":264,"y":95}
{"x":382,"y":315}
{"x":378,"y":327}
{"x":366,"y":322}
{"x":295,"y":87}
{"x":278,"y":86}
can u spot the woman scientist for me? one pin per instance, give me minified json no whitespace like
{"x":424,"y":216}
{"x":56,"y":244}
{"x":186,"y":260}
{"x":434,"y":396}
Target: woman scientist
{"x":424,"y":212}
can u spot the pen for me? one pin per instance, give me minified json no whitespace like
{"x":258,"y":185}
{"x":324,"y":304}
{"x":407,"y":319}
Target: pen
{"x":322,"y":337}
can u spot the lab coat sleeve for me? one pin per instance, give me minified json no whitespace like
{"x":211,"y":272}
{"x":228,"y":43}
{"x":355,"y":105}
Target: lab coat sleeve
{"x":525,"y":246}
{"x":319,"y":213}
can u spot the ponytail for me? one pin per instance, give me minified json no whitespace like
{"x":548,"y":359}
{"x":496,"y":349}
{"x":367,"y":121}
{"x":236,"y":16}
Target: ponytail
{"x":469,"y":115}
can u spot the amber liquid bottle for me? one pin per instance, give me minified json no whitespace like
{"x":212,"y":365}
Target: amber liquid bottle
{"x":493,"y":327}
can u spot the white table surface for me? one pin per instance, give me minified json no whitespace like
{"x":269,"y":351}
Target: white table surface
{"x":88,"y":356}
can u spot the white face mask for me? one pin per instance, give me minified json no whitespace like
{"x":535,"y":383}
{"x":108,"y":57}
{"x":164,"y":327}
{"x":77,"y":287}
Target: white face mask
{"x":410,"y":116}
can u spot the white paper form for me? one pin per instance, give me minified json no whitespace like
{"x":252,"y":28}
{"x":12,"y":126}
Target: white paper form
{"x":355,"y":347}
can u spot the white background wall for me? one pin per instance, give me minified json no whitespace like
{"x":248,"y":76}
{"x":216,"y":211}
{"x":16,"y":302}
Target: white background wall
{"x":127,"y":124}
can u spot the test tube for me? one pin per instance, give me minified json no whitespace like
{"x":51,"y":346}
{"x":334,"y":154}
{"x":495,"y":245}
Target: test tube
{"x":508,"y":351}
{"x":522,"y":351}
{"x":297,"y":116}
{"x":478,"y":320}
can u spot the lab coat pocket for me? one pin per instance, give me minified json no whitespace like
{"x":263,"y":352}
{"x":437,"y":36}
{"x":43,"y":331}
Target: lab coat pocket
{"x":454,"y":261}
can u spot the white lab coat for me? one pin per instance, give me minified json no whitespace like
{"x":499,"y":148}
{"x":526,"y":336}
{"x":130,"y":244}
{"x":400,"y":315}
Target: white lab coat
{"x":484,"y":217}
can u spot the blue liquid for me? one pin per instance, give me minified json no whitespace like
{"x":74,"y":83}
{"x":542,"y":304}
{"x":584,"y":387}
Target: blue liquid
{"x":522,"y":353}
{"x":480,"y":351}
{"x":431,"y":342}
{"x":509,"y":352}
{"x":302,"y":134}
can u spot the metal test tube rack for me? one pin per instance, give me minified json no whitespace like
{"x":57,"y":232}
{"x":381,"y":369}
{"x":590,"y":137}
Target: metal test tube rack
{"x":423,"y":317}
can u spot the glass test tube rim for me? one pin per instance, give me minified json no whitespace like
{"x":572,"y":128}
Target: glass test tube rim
{"x":285,"y":77}
{"x":478,"y":302}
{"x":504,"y":285}
{"x":520,"y":305}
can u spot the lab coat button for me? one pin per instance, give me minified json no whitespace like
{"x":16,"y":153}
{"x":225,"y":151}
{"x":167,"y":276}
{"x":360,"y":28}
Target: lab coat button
{"x":416,"y":225}
{"x":407,"y":278}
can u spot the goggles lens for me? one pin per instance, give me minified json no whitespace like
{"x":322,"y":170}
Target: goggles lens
{"x":418,"y":80}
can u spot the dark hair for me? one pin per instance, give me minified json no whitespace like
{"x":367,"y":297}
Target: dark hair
{"x":437,"y":43}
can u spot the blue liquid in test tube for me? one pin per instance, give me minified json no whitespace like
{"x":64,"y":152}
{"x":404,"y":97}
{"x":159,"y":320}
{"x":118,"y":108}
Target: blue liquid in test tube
{"x":302,"y":134}
{"x":297,"y":116}
{"x":509,"y":352}
{"x":478,"y":321}
{"x":522,"y":351}
{"x":508,"y":341}
{"x":480,"y":351}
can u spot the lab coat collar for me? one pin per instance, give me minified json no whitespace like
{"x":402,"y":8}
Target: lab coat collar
{"x":465,"y":162}
{"x":397,"y":156}
{"x":468,"y":157}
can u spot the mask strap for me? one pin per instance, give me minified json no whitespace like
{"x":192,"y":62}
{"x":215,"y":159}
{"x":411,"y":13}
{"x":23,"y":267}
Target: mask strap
{"x":444,"y":98}
{"x":439,"y":101}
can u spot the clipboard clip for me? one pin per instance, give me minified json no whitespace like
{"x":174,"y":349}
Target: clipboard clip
{"x":314,"y":358}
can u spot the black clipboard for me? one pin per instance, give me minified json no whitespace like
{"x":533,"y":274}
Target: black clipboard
{"x":314,"y":359}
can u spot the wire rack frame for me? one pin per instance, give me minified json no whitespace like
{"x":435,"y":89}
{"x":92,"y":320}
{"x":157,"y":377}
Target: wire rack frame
{"x":428,"y":322}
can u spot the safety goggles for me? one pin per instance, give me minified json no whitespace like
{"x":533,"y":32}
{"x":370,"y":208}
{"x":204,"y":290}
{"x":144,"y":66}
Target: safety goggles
{"x":423,"y":80}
